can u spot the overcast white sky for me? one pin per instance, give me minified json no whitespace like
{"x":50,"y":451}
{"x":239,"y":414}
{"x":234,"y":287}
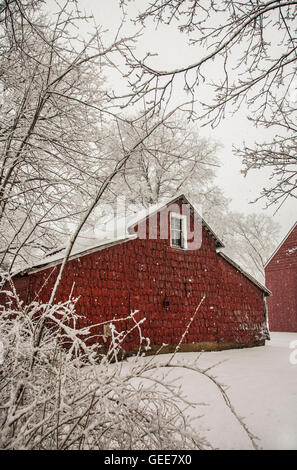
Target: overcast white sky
{"x":173,"y":52}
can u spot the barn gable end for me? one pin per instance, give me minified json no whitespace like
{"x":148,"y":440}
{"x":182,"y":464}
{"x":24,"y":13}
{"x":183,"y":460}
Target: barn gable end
{"x":165,"y":284}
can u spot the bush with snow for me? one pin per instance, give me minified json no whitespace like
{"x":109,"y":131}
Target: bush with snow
{"x":57,"y":397}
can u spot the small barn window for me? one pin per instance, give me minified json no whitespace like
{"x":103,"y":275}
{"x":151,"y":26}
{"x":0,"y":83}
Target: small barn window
{"x":178,"y":230}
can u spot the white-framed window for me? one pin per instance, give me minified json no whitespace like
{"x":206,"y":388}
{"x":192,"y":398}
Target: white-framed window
{"x":178,"y":230}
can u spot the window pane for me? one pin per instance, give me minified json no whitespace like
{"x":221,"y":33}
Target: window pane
{"x":176,"y":237}
{"x":176,"y":234}
{"x":176,"y":242}
{"x":176,"y":223}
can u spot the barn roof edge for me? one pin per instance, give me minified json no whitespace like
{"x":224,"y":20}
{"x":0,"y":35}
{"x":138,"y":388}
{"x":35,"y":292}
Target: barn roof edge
{"x":280,"y":244}
{"x":247,"y":275}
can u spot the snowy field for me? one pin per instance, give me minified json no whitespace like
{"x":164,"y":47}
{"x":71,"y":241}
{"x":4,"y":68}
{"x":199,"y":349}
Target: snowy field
{"x":261,"y":383}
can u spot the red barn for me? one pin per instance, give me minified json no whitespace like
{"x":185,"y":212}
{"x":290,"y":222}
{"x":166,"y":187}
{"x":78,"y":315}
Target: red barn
{"x":281,"y":279}
{"x":163,"y":266}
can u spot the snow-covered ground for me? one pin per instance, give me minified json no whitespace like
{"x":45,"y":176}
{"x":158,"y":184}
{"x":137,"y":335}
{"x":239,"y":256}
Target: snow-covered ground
{"x":261,"y":383}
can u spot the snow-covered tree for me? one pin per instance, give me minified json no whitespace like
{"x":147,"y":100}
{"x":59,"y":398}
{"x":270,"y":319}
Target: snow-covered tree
{"x":251,"y":49}
{"x":76,"y":397}
{"x":249,"y":240}
{"x":51,"y":94}
{"x":54,"y":112}
{"x":55,"y":397}
{"x":172,"y":160}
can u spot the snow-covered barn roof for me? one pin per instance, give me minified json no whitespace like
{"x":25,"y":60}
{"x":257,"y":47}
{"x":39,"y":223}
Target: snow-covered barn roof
{"x":90,"y":242}
{"x":80,"y":248}
{"x":114,"y":231}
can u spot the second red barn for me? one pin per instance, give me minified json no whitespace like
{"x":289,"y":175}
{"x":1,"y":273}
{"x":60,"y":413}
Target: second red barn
{"x":281,"y":279}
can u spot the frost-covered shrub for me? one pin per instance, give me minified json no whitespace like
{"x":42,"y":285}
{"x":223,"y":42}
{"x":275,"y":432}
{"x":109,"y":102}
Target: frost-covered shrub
{"x":52,"y":397}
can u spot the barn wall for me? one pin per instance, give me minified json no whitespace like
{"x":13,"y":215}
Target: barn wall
{"x":141,"y":274}
{"x":281,"y":279}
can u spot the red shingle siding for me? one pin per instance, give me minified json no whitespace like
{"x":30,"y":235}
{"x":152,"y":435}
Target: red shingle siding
{"x":141,"y":274}
{"x":281,"y":279}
